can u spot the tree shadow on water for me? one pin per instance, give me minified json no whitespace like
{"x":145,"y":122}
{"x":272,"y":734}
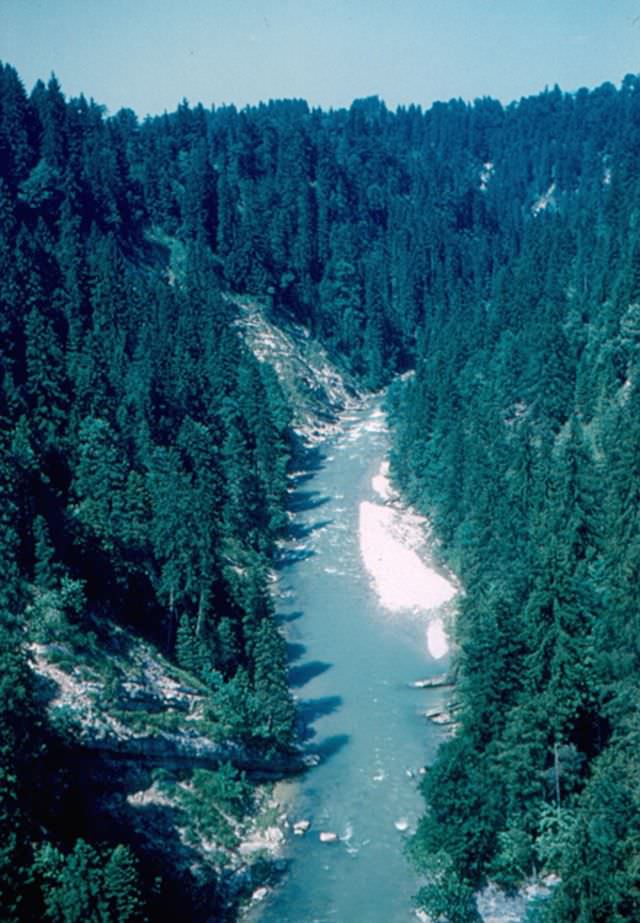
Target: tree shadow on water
{"x":312,"y":461}
{"x":289,"y":616}
{"x":301,"y":530}
{"x":300,"y":676}
{"x":295,"y":651}
{"x":289,"y":556}
{"x":303,"y":476}
{"x":331,"y":745}
{"x":312,"y":709}
{"x":304,"y":500}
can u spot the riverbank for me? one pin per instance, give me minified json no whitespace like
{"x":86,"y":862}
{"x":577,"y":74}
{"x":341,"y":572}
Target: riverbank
{"x":395,"y":550}
{"x":352,"y":658}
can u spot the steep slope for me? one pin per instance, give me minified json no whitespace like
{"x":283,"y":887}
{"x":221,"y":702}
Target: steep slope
{"x":316,"y":389}
{"x":144,"y":450}
{"x":146,"y":763}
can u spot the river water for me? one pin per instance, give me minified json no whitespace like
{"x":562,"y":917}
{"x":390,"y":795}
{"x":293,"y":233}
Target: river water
{"x":354,"y":650}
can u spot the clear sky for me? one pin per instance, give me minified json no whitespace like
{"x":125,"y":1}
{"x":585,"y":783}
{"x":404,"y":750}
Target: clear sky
{"x":149,"y":54}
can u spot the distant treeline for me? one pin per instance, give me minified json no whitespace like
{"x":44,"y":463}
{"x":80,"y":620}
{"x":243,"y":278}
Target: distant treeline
{"x":143,"y":451}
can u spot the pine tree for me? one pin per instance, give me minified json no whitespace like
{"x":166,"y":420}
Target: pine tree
{"x":273,"y":699}
{"x":122,"y":887}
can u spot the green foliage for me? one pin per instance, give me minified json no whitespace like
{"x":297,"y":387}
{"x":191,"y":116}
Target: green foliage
{"x":56,"y":614}
{"x":511,"y":438}
{"x":144,"y":450}
{"x":21,"y":746}
{"x":214,"y":801}
{"x":513,"y":860}
{"x":595,"y":847}
{"x":227,"y":787}
{"x":446,"y":898}
{"x":274,"y":703}
{"x":86,"y":886}
{"x":556,"y":831}
{"x":122,"y":886}
{"x":463,"y":811}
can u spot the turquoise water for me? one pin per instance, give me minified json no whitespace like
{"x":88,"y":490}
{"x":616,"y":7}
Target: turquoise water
{"x":351,"y":663}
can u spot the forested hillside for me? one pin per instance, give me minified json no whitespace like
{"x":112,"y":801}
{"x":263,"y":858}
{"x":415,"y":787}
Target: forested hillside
{"x":144,"y":450}
{"x":144,"y":455}
{"x":519,"y":437}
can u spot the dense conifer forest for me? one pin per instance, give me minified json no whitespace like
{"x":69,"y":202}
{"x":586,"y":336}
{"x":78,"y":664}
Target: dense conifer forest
{"x":144,"y":451}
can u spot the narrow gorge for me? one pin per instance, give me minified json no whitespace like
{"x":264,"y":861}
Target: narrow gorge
{"x":195,"y":311}
{"x":363,"y":617}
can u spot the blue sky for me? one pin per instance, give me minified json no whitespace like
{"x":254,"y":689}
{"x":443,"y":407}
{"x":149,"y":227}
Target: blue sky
{"x":148,"y":54}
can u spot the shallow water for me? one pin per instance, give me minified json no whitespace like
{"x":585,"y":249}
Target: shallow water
{"x":351,"y":663}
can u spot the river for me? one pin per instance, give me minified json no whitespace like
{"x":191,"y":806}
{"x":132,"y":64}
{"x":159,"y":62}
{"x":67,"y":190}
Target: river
{"x":355,"y":644}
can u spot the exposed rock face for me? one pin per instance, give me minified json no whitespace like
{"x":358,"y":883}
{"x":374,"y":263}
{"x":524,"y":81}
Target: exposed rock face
{"x":496,"y":907}
{"x":317,"y":391}
{"x":123,"y":720}
{"x":191,"y":750}
{"x":136,"y":728}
